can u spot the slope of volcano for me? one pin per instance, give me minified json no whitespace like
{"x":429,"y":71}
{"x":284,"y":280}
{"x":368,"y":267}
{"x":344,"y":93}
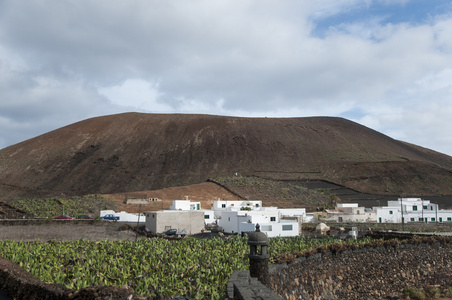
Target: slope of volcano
{"x":140,"y":152}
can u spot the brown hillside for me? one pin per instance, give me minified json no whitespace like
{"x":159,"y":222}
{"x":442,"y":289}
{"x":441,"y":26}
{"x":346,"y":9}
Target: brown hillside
{"x":205,"y":192}
{"x":139,"y":152}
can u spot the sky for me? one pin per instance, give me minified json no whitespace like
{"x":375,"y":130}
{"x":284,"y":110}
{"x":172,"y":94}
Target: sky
{"x":385,"y":64}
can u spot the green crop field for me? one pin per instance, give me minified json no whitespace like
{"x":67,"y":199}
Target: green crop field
{"x":50,"y":207}
{"x":196,"y":267}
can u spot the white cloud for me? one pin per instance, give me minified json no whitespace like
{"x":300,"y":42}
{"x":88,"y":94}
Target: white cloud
{"x":417,"y":114}
{"x":65,"y":61}
{"x":136,"y":93}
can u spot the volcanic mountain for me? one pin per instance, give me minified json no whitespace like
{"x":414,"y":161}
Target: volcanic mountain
{"x":135,"y":152}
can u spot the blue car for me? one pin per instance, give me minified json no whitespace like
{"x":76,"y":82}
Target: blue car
{"x":110,"y":217}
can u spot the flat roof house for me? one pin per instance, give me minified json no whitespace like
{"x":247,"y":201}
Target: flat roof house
{"x":192,"y":221}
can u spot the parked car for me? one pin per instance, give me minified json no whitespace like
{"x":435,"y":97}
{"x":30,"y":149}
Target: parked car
{"x":175,"y":232}
{"x":85,"y":217}
{"x":63,"y":217}
{"x":110,"y":217}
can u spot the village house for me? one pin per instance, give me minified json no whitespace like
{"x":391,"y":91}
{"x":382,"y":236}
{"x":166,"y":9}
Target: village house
{"x":348,"y":212}
{"x":412,"y":210}
{"x":406,"y":209}
{"x":185,"y":205}
{"x":191,"y":221}
{"x":242,"y":216}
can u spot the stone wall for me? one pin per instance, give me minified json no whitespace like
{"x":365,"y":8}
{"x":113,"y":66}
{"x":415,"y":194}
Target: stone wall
{"x":367,"y":273}
{"x":379,"y":270}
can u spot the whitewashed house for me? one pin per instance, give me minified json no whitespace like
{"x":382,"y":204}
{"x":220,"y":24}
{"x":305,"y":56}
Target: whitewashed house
{"x":351,"y":212}
{"x":192,"y":221}
{"x":226,"y":204}
{"x":412,"y":210}
{"x":239,"y":216}
{"x":185,"y":205}
{"x":297,"y":212}
{"x":209,"y":216}
{"x":242,"y":216}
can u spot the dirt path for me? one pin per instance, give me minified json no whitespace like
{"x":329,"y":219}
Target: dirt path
{"x":66,"y":231}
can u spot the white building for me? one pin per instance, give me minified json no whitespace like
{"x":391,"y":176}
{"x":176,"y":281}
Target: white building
{"x":350,"y":212}
{"x":192,"y":221}
{"x":297,"y":212}
{"x":226,"y":204}
{"x":209,"y":216}
{"x":185,"y":205}
{"x":238,"y":221}
{"x":412,"y":210}
{"x":242,"y":216}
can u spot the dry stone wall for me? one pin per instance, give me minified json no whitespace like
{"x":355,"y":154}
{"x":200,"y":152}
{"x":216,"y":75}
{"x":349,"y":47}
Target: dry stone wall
{"x":368,"y":273}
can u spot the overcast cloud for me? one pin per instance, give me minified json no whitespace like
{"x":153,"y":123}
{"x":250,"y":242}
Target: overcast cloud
{"x":384,"y":64}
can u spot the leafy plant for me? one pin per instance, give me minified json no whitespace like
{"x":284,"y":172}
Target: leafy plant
{"x":50,"y":207}
{"x":152,"y":267}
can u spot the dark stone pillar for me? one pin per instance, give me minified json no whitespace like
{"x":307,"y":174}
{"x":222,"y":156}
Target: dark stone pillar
{"x":258,"y":256}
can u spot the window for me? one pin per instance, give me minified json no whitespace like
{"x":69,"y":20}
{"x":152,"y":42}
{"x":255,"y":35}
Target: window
{"x":421,"y":219}
{"x":414,"y":207}
{"x":223,"y":205}
{"x":449,"y":219}
{"x":379,"y":220}
{"x":287,"y":227}
{"x":257,"y":204}
{"x":425,"y":206}
{"x":266,"y":228}
{"x":412,"y":219}
{"x":431,"y":207}
{"x":433,"y":219}
{"x":272,"y":219}
{"x":440,"y":220}
{"x":390,"y":212}
{"x":206,"y":217}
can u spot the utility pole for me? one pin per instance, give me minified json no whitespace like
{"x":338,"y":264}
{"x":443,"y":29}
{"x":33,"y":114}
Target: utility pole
{"x":436,"y":214}
{"x":422,"y":210}
{"x":401,"y":209}
{"x":138,"y":223}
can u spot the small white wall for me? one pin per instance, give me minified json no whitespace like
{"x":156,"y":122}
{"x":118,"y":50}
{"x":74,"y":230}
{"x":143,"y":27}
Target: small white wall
{"x":309,"y":218}
{"x":293,"y":212}
{"x":347,"y":205}
{"x":128,"y":217}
